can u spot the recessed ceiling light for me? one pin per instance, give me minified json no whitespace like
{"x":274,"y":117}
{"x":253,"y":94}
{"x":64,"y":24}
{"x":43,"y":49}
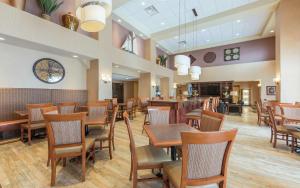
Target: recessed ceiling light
{"x":1,"y":38}
{"x":207,"y":40}
{"x":127,"y":78}
{"x":119,"y":20}
{"x":157,"y":45}
{"x":176,"y":37}
{"x":272,"y":31}
{"x":203,"y":30}
{"x":238,"y":21}
{"x":138,"y":71}
{"x":75,"y":56}
{"x":237,"y":34}
{"x":162,"y":23}
{"x":116,"y":66}
{"x":141,"y":35}
{"x":143,"y":3}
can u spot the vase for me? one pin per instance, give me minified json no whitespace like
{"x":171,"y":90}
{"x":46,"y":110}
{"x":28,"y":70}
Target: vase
{"x":70,"y":21}
{"x":19,"y":4}
{"x":46,"y":17}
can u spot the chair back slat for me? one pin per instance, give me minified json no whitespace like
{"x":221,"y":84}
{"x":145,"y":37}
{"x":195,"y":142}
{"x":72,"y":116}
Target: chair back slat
{"x":159,"y":115}
{"x":67,"y":107}
{"x":97,"y":110}
{"x":131,"y":139}
{"x":272,"y":118}
{"x":290,"y":112}
{"x":211,"y":121}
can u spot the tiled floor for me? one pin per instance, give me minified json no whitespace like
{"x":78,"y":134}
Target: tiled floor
{"x":254,"y":163}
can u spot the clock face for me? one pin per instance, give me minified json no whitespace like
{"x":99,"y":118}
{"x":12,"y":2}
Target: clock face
{"x":209,"y":57}
{"x":48,"y":71}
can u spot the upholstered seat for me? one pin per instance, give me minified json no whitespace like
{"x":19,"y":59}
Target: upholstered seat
{"x":99,"y":133}
{"x":89,"y":142}
{"x":34,"y":125}
{"x":149,"y":155}
{"x":281,"y":129}
{"x":173,"y":171}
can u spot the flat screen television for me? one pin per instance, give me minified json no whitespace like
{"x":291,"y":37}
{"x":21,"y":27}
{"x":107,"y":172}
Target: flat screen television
{"x":211,"y":89}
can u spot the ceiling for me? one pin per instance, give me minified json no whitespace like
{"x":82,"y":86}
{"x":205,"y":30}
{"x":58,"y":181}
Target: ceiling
{"x":121,"y":77}
{"x":218,"y":22}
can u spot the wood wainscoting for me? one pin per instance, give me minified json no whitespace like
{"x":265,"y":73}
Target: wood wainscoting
{"x":15,"y":99}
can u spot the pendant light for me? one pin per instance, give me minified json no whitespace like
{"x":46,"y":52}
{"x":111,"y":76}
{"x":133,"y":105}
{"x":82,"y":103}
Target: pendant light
{"x":92,"y":14}
{"x":195,"y":71}
{"x":182,"y":62}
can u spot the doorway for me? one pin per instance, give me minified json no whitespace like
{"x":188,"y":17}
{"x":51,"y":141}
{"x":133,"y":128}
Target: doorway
{"x":118,"y":91}
{"x":246,"y":96}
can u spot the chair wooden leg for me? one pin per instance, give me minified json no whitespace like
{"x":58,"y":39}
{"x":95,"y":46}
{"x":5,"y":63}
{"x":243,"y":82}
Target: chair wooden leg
{"x":22,"y":134}
{"x":130,"y":175}
{"x":48,"y":161}
{"x":134,"y":178}
{"x":93,"y":153}
{"x":166,"y":181}
{"x":101,"y":147}
{"x":29,"y":136}
{"x":293,"y":146}
{"x":190,"y":122}
{"x":113,"y":142}
{"x":275,"y":140}
{"x":271,"y":136}
{"x":83,"y":163}
{"x":287,"y":139}
{"x":53,"y":171}
{"x":109,"y":148}
{"x":222,"y":184}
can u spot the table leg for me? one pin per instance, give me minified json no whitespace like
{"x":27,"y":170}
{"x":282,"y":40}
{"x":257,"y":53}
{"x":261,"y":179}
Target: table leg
{"x":86,"y":130}
{"x":173,"y":153}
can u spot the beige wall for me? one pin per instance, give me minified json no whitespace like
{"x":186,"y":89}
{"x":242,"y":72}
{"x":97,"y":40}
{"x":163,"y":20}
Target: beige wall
{"x":130,"y":90}
{"x":288,"y":48}
{"x":164,"y":87}
{"x":258,"y":71}
{"x":145,"y":85}
{"x":254,"y":95}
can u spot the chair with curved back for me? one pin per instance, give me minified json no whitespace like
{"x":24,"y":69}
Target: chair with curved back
{"x":278,"y":132}
{"x":211,"y":121}
{"x":49,"y":110}
{"x":194,"y":117}
{"x":204,"y":161}
{"x":261,"y":115}
{"x":143,"y":157}
{"x":159,"y":115}
{"x":35,"y":120}
{"x":67,"y":139}
{"x":97,"y":114}
{"x":67,"y":107}
{"x":108,"y":135}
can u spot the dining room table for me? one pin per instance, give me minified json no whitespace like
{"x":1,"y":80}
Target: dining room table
{"x":168,"y":135}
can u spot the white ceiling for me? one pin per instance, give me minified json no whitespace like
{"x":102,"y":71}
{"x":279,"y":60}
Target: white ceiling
{"x":121,"y":77}
{"x":252,"y":20}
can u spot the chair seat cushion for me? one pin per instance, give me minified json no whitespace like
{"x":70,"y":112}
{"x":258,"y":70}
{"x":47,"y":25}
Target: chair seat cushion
{"x":192,"y":114}
{"x":99,"y":134}
{"x":173,"y":171}
{"x":281,"y":129}
{"x":74,"y":149}
{"x":34,"y":125}
{"x":149,"y":155}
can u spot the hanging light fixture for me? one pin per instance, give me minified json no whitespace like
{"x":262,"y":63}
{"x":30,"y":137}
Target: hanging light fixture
{"x":182,"y":62}
{"x":92,"y":14}
{"x":195,"y":71}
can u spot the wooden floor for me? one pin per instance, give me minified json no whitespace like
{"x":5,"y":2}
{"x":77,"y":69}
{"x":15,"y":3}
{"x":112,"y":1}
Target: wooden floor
{"x":253,"y":163}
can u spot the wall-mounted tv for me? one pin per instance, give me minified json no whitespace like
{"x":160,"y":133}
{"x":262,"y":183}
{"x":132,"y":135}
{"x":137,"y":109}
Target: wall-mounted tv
{"x":210,"y":89}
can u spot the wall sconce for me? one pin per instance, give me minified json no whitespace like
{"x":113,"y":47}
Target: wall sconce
{"x":276,"y":80}
{"x":106,"y":78}
{"x":175,"y":85}
{"x":153,"y":84}
{"x":259,"y":85}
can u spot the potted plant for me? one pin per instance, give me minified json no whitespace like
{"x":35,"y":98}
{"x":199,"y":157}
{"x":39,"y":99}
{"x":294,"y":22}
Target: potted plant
{"x":48,"y":7}
{"x":163,"y":60}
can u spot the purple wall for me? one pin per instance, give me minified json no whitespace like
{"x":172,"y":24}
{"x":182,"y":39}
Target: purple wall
{"x":251,"y":51}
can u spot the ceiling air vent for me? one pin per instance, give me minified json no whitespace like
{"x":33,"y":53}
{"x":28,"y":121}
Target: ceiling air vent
{"x":151,"y":10}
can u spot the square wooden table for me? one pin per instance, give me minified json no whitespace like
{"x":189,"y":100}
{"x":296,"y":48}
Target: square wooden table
{"x":167,"y":135}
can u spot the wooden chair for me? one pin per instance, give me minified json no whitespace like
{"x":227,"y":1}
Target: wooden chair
{"x":67,"y":107}
{"x":129,"y":108}
{"x":97,"y":114}
{"x":205,"y":160}
{"x":261,"y":115}
{"x":49,"y":110}
{"x":159,"y":115}
{"x":67,"y":139}
{"x":108,"y":135}
{"x":143,"y":157}
{"x":194,"y":117}
{"x":211,"y":121}
{"x":35,"y":120}
{"x":278,"y":132}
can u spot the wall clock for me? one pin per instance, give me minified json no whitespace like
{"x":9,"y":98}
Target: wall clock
{"x":232,"y":54}
{"x":48,"y":70}
{"x":209,"y":57}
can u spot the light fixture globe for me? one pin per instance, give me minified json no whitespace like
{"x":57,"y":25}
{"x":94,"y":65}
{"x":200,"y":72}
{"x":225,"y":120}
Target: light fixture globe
{"x":92,"y":16}
{"x":182,"y":63}
{"x":195,"y":72}
{"x":107,"y":5}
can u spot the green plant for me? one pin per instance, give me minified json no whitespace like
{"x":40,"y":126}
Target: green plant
{"x":163,"y":60}
{"x":49,"y":6}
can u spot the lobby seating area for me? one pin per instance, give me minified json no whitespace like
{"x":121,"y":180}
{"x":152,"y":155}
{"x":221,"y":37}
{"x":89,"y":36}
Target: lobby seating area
{"x":149,"y":94}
